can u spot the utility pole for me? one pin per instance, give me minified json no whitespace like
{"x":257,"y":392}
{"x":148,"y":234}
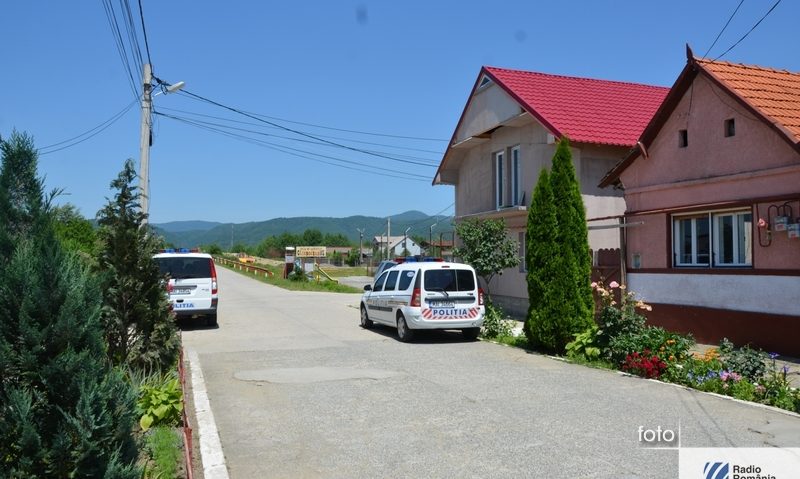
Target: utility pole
{"x":360,"y":243}
{"x":430,"y":238}
{"x":388,"y":234}
{"x":144,"y":140}
{"x":405,"y":240}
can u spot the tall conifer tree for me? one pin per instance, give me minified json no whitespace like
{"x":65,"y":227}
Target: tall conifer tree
{"x":64,"y":412}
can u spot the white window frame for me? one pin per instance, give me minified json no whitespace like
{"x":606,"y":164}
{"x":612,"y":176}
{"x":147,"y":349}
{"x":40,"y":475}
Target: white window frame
{"x":515,"y":173}
{"x":715,"y":238}
{"x":499,"y":183}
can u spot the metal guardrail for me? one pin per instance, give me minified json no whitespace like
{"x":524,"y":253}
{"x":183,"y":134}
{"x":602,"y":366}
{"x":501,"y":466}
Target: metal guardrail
{"x":249,"y":267}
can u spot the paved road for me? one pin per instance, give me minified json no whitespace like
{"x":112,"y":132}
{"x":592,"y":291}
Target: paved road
{"x":299,"y":390}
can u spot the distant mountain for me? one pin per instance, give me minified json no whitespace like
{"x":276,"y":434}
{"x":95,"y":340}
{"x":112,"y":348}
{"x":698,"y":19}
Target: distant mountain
{"x":225,"y":234}
{"x":184,"y":226}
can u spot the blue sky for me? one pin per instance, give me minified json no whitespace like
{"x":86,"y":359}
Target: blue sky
{"x":393,"y":68}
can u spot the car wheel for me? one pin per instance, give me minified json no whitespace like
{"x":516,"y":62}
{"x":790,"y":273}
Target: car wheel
{"x":470,"y":334}
{"x":366,"y":323}
{"x":404,"y":333}
{"x":211,"y":320}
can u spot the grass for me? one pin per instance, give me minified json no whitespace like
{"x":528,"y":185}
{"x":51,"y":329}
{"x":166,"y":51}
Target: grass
{"x":339,"y":271}
{"x":521,"y":342}
{"x":276,"y":280}
{"x":164,"y":448}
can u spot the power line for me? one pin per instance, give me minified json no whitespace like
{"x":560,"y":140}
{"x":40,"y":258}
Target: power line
{"x":723,"y":28}
{"x":749,"y":31}
{"x":144,"y":33}
{"x":120,"y":44}
{"x":433,"y":163}
{"x":359,"y":132}
{"x":285,"y":149}
{"x":94,"y":131}
{"x":297,"y":132}
{"x":408,"y":148}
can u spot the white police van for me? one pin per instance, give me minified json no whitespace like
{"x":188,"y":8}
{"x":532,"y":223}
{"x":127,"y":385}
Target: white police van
{"x":425,"y":295}
{"x":192,"y":283}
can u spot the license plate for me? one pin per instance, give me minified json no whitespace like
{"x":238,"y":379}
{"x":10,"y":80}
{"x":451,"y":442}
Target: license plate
{"x":181,"y":291}
{"x":442,"y":304}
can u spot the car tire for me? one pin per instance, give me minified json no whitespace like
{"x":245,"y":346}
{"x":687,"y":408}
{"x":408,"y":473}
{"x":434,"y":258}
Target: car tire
{"x":366,"y":323}
{"x":404,"y":333}
{"x":471,"y":334}
{"x":211,"y":320}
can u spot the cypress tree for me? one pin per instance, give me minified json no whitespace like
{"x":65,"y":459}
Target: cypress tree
{"x":548,"y":286}
{"x":573,"y":235}
{"x":64,"y":412}
{"x":139,"y":327}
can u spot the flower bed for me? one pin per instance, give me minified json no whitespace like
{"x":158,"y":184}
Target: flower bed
{"x":622,"y":339}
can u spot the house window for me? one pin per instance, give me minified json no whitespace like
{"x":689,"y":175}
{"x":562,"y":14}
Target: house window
{"x":500,"y":176}
{"x":713,"y":239}
{"x":507,"y":177}
{"x":683,"y":138}
{"x":730,"y":127}
{"x":515,"y":176}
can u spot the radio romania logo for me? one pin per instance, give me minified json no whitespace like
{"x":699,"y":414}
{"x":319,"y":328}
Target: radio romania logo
{"x":716,"y":470}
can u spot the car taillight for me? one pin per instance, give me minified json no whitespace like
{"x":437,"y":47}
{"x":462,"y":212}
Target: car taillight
{"x":213,"y":277}
{"x":480,"y":296}
{"x":416,"y":299}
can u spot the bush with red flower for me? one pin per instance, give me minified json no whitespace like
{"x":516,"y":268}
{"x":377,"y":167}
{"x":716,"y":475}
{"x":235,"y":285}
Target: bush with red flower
{"x":644,"y":364}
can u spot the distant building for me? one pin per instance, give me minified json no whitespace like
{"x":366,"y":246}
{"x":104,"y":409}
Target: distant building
{"x":397,"y":246}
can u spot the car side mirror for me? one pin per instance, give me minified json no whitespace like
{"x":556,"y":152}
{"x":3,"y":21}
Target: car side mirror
{"x":368,"y":287}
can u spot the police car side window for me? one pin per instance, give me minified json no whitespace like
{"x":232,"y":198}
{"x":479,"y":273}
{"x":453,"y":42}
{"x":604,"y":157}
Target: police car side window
{"x":379,"y":282}
{"x":391,"y":281}
{"x":405,"y":280}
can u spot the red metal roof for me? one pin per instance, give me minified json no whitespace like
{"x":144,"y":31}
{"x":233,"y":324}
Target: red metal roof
{"x":584,"y":109}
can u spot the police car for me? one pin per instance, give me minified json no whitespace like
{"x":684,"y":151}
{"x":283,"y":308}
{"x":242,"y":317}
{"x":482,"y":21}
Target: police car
{"x":424,"y":295}
{"x":192,"y":283}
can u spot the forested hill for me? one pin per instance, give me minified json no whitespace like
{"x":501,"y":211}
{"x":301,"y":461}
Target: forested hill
{"x":181,"y":234}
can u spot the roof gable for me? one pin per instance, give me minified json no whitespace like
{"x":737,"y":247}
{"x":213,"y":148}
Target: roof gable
{"x":771,"y":95}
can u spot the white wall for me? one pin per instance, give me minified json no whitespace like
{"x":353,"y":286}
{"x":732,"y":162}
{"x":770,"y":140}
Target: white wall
{"x":761,"y":294}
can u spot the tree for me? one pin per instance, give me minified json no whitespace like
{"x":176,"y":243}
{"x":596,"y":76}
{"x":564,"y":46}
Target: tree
{"x":139,"y":327}
{"x":213,"y":249}
{"x":312,"y":237}
{"x":573,"y":234}
{"x":74,"y":231}
{"x":64,"y":412}
{"x":544,"y":259}
{"x":486,"y":247}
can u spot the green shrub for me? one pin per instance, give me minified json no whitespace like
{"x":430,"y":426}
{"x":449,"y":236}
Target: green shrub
{"x":749,"y":362}
{"x":669,"y":346}
{"x":494,"y":322}
{"x":585,"y":346}
{"x":160,"y":402}
{"x":298,"y":275}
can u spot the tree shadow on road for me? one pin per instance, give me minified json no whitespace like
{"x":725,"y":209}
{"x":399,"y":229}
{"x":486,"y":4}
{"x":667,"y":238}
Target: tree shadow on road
{"x":423,"y":336}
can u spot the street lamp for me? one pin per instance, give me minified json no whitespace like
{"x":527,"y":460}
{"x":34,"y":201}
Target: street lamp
{"x":146,"y":138}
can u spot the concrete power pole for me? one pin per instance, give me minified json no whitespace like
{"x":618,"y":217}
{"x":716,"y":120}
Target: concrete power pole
{"x":388,"y":234}
{"x":144,"y":140}
{"x":360,"y":243}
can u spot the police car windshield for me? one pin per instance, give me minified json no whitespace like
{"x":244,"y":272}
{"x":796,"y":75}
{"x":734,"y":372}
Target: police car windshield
{"x":449,"y":280}
{"x":185,"y":268}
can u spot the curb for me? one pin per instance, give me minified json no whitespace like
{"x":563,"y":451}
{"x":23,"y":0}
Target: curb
{"x":211,"y":454}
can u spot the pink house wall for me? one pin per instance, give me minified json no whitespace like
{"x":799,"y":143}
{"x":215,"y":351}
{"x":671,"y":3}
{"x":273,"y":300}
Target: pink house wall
{"x":755,"y":163}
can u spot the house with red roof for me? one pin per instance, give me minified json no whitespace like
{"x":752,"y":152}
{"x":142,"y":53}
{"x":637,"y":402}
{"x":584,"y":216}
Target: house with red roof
{"x":508,"y":132}
{"x":713,"y":200}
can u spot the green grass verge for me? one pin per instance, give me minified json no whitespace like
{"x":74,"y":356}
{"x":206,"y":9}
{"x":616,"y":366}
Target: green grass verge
{"x":521,"y":342}
{"x":276,"y":280}
{"x":164,"y":448}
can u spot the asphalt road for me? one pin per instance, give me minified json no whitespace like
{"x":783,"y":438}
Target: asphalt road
{"x":299,"y":390}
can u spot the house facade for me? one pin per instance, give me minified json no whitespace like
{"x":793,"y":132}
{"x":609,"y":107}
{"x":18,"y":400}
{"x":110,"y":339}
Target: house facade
{"x":508,"y":132}
{"x":713,"y":198}
{"x":398,"y":246}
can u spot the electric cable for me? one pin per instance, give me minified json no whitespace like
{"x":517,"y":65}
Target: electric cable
{"x":723,"y":28}
{"x":144,"y":34}
{"x":749,"y":31}
{"x":300,"y":133}
{"x":284,"y":149}
{"x":99,"y":128}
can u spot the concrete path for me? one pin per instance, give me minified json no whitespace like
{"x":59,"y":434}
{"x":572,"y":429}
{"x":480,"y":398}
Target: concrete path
{"x":299,"y":390}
